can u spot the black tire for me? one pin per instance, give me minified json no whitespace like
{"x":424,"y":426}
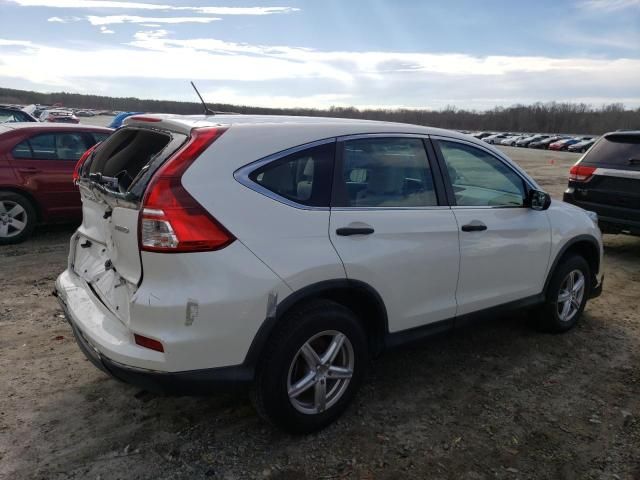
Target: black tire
{"x":270,"y":393}
{"x":8,"y":233}
{"x":549,"y":317}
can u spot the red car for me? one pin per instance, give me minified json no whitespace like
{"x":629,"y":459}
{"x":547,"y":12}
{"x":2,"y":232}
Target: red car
{"x":36,"y":169}
{"x":58,"y":116}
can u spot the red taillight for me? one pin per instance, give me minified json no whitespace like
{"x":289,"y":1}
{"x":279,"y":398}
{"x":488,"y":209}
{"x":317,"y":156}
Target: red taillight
{"x":80,"y":163}
{"x":147,"y":342}
{"x":172,"y":221}
{"x":581,"y":173}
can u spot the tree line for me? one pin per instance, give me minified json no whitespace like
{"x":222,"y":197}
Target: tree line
{"x":551,"y":117}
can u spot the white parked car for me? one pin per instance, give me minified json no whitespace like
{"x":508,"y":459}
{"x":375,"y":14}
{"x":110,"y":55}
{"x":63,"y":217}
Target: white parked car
{"x":497,"y":138}
{"x":286,"y":251}
{"x":511,"y":141}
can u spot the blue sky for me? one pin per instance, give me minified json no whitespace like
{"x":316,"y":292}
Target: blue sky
{"x":377,"y":53}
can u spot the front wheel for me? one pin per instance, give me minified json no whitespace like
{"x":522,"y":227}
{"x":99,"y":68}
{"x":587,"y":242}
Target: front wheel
{"x":312,"y":368}
{"x":566,"y":295}
{"x":17,"y":218}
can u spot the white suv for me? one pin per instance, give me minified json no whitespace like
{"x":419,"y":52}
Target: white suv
{"x":285,"y":252}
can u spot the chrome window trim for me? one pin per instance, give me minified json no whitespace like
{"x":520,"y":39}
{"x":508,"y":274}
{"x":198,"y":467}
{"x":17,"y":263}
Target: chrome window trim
{"x":368,"y":209}
{"x":505,"y":161}
{"x":242,"y":174}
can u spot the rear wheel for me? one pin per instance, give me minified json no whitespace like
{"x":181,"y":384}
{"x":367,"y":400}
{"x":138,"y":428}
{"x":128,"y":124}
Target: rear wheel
{"x":17,"y":218}
{"x":566,"y":295}
{"x":312,"y":368}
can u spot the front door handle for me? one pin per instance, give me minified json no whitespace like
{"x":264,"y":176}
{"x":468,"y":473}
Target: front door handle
{"x":29,"y":170}
{"x":347,"y":231}
{"x":474,"y":226}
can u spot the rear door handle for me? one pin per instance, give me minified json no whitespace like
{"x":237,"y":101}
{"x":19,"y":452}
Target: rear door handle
{"x":347,"y":231}
{"x":474,"y":226}
{"x":29,"y":170}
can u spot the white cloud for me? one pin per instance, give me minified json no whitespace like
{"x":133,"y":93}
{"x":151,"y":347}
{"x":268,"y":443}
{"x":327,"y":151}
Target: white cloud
{"x":15,"y":43}
{"x":116,"y":19}
{"x":63,"y":19}
{"x":154,"y":6}
{"x":610,"y":5}
{"x":235,"y":97}
{"x":289,"y":76}
{"x":106,"y":30}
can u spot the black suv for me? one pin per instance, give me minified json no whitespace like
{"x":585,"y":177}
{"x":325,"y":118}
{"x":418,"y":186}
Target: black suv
{"x":607,"y":181}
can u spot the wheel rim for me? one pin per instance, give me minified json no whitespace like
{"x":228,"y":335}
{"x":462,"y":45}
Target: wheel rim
{"x":13,"y":218}
{"x":320,"y":372}
{"x":570,"y":295}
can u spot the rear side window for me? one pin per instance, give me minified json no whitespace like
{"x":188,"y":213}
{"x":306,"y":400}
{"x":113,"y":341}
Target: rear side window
{"x":621,"y":151}
{"x":303,"y":177}
{"x":385,"y":172}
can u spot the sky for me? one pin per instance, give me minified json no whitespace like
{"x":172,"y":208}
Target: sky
{"x":430,"y":54}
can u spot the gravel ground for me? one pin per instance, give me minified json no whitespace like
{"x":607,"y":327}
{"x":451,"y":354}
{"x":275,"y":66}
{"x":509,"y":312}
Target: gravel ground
{"x":494,"y":400}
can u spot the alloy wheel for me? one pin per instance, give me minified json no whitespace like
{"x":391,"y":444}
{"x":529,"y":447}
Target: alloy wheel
{"x":13,"y":219}
{"x":320,"y":372}
{"x":570,"y":295}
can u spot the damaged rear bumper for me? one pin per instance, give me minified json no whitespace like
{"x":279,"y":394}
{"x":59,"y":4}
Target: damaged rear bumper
{"x":193,"y":382}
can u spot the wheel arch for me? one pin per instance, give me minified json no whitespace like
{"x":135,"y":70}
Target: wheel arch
{"x":28,"y":196}
{"x":358,"y":296}
{"x":584,"y":245}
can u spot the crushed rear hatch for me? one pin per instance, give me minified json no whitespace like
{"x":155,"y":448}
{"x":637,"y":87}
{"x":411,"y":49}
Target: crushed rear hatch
{"x":112,"y":181}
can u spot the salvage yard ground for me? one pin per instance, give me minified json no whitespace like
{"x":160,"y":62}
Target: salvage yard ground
{"x":495,"y":400}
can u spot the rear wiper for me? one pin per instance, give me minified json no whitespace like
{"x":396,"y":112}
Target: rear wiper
{"x":634,"y":161}
{"x":110,"y":182}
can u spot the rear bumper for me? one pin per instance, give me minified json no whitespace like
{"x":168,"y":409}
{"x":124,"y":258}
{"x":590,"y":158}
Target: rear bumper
{"x":193,"y":382}
{"x":611,"y":218}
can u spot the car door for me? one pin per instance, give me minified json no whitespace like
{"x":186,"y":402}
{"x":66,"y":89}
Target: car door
{"x":44,"y":165}
{"x":504,"y":246}
{"x":392,"y":228}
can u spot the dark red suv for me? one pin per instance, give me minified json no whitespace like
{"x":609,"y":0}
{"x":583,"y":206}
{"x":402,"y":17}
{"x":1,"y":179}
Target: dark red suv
{"x":36,"y":170}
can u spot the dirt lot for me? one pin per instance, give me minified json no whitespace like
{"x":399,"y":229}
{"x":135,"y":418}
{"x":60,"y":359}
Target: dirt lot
{"x":496,"y":400}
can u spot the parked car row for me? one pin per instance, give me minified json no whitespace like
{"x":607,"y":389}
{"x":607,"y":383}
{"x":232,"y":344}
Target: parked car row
{"x":556,"y":142}
{"x":37,"y":161}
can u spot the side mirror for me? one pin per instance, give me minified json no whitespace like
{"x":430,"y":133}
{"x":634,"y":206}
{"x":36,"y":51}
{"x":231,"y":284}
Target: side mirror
{"x":538,"y":200}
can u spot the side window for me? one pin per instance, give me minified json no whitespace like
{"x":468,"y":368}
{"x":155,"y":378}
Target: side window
{"x":99,"y":137}
{"x":51,"y":146}
{"x":386,"y":172}
{"x":38,"y":147}
{"x":303,"y":177}
{"x":22,"y":150}
{"x":480,"y":179}
{"x":69,"y":146}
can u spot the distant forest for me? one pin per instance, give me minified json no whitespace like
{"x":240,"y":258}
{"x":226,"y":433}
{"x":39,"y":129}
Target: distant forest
{"x":550,"y":117}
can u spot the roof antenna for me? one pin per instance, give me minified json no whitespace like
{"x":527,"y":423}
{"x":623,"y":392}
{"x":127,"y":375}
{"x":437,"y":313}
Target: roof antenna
{"x":207,"y":110}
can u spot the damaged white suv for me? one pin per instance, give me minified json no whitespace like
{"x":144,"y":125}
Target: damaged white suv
{"x":285,"y":251}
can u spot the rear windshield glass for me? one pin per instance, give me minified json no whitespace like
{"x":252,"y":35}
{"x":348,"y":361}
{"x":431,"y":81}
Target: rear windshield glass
{"x":618,"y":150}
{"x":124,"y":154}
